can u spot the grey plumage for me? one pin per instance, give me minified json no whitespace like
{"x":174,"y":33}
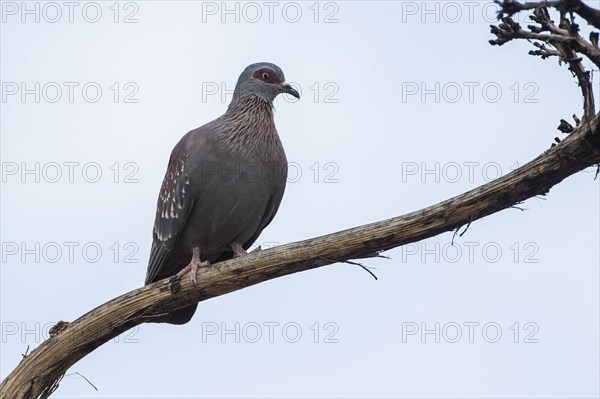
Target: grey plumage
{"x":223,"y":185}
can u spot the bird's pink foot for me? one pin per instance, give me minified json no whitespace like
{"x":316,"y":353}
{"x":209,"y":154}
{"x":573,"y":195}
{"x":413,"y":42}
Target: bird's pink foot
{"x":238,"y":250}
{"x":193,"y":266}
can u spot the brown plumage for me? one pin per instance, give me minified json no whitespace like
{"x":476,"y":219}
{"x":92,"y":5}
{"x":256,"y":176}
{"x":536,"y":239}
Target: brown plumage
{"x":223,"y":185}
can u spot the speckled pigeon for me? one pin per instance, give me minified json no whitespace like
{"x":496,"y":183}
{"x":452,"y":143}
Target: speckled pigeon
{"x":223,"y":184}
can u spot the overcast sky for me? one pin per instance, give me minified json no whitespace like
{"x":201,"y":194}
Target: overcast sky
{"x":404,"y":104}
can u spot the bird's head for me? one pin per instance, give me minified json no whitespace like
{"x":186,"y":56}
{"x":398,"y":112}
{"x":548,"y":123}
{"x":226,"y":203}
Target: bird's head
{"x":265,"y":80}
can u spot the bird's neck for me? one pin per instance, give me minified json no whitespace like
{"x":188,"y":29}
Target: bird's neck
{"x":249,"y":105}
{"x":250,"y":128}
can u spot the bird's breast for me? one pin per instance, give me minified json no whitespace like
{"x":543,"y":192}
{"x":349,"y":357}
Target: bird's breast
{"x":231,"y":201}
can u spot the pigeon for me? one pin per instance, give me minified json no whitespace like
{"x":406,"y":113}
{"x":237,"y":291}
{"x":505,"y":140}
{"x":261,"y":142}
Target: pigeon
{"x":224,"y":184}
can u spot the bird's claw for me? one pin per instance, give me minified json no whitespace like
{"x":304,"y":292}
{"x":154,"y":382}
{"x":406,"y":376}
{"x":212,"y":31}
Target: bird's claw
{"x":194,"y":266}
{"x":191,"y":268}
{"x":193,"y":272}
{"x":238,"y":250}
{"x":174,"y":284}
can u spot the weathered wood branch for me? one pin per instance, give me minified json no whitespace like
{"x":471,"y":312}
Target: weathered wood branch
{"x":38,"y":371}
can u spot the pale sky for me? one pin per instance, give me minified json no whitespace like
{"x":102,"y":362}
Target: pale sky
{"x":404,"y":104}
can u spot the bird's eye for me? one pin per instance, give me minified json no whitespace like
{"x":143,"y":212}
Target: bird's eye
{"x":265,"y":75}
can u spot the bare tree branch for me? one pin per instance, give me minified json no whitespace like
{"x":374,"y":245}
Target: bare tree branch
{"x":566,"y":34}
{"x":40,"y":372}
{"x":591,"y":15}
{"x":565,"y":39}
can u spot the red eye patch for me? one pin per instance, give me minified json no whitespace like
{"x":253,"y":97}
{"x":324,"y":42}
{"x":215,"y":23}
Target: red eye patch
{"x":266,"y":75}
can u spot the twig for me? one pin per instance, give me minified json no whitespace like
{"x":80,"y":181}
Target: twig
{"x":82,"y":376}
{"x":26,"y":352}
{"x":466,"y":228}
{"x":461,"y":234}
{"x":361,"y":265}
{"x":353,"y":263}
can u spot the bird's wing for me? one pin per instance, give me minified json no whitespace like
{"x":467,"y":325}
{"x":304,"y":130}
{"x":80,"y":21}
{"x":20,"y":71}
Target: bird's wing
{"x":173,"y":208}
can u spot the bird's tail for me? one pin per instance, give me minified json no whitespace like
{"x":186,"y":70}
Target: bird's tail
{"x":183,"y":315}
{"x":178,"y":317}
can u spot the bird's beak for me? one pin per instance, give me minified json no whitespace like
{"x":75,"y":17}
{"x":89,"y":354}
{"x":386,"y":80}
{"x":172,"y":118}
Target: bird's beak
{"x":287,"y":88}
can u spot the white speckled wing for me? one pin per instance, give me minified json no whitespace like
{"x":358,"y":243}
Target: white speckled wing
{"x":172,"y":210}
